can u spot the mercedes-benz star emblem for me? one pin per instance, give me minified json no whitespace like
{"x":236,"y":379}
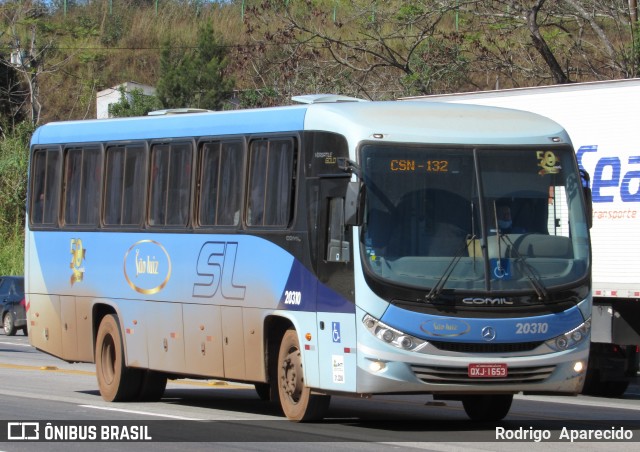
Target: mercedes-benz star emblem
{"x":488,"y":333}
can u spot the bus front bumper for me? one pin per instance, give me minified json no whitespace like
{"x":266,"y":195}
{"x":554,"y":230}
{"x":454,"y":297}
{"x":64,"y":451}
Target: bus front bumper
{"x":394,"y":373}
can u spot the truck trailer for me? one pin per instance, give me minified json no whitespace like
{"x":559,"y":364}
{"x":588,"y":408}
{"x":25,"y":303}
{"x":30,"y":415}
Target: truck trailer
{"x":603,"y":121}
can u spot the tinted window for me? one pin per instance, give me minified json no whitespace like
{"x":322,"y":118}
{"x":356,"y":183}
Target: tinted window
{"x":124,"y":197}
{"x":220,"y":188}
{"x":271,"y":182}
{"x":45,"y":187}
{"x":170,"y":184}
{"x":82,"y":176}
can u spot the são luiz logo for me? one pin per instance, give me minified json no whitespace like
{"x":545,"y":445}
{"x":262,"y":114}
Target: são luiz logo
{"x":77,"y":258}
{"x":147,"y":267}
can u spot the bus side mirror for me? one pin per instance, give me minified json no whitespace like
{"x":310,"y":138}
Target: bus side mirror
{"x":353,"y":203}
{"x":588,"y":199}
{"x":338,"y":247}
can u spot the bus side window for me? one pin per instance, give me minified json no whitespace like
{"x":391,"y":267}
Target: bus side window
{"x":170,"y":184}
{"x":337,"y":245}
{"x":272,"y":166}
{"x":124,"y":193}
{"x":219,"y":198}
{"x":45,"y":187}
{"x":82,"y":185}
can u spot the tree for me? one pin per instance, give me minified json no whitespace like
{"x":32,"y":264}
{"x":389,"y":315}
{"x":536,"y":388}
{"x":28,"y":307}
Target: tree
{"x":13,"y":191}
{"x":28,"y":22}
{"x":538,"y":42}
{"x":197,"y":78}
{"x":134,"y":103}
{"x":12,"y":97}
{"x":394,"y":48}
{"x":367,"y":49}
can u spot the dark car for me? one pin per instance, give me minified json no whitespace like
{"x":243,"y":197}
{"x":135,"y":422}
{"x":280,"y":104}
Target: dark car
{"x":14,"y":316}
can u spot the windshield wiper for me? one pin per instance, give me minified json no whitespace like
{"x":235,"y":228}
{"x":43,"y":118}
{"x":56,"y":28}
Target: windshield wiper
{"x":529,"y":272}
{"x":437,"y":289}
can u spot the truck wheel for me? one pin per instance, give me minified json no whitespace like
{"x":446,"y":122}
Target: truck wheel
{"x":595,"y":385}
{"x":297,"y":402}
{"x":591,"y":382}
{"x":614,"y":388}
{"x":8,"y":324}
{"x":117,"y":382}
{"x":489,"y":408}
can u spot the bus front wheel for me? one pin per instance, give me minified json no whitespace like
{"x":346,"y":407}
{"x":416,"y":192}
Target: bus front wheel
{"x":296,"y":399}
{"x":490,"y":407}
{"x":117,"y":382}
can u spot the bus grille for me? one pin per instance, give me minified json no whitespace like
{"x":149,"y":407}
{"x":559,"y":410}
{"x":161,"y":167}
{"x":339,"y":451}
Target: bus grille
{"x":467,"y":347}
{"x":459,"y":375}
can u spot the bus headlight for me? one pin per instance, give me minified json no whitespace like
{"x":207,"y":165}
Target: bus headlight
{"x":392,"y":336}
{"x":570,"y":339}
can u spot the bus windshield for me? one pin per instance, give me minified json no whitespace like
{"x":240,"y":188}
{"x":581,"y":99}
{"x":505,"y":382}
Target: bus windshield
{"x":474,"y":219}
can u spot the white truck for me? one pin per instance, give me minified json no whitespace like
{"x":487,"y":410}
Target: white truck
{"x":603,"y":121}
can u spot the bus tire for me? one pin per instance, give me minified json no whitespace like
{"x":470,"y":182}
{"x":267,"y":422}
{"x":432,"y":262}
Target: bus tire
{"x":117,"y":382}
{"x":296,"y":400}
{"x":264,"y":391}
{"x":152,"y":386}
{"x":487,"y":407}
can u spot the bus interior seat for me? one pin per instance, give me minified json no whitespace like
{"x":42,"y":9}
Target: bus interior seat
{"x":543,"y":245}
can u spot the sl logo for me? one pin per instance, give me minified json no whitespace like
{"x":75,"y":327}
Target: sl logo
{"x":77,"y":257}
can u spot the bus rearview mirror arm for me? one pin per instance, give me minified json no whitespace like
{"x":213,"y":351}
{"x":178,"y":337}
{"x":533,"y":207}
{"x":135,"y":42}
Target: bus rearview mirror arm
{"x":349,"y":166}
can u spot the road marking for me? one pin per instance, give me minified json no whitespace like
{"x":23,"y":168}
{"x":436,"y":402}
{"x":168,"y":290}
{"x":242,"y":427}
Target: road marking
{"x":145,"y":413}
{"x":206,"y":383}
{"x":15,"y":343}
{"x":46,"y":369}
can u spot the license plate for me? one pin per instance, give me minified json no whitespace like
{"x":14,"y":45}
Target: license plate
{"x":487,"y":370}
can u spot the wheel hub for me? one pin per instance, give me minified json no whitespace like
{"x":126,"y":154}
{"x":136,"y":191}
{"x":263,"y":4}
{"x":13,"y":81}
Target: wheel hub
{"x":292,"y":381}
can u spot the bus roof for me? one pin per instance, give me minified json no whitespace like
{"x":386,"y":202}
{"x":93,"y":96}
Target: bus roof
{"x":401,"y":121}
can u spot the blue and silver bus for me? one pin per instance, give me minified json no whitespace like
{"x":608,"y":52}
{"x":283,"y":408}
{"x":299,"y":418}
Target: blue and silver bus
{"x":330,"y":248}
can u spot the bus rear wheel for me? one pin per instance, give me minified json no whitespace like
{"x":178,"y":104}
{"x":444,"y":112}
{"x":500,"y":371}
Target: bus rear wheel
{"x":117,"y":382}
{"x":487,"y":407}
{"x":297,"y":402}
{"x":152,"y":387}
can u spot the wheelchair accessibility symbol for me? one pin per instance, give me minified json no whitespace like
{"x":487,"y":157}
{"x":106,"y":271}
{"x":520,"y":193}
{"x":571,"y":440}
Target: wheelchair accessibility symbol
{"x":501,"y":269}
{"x":335,"y":331}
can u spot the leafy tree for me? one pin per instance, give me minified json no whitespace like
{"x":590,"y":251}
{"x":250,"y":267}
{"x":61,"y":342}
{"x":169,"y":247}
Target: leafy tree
{"x":197,"y":78}
{"x":13,"y":191}
{"x":367,"y":49}
{"x":540,"y":42}
{"x":134,"y":103}
{"x":12,"y":97}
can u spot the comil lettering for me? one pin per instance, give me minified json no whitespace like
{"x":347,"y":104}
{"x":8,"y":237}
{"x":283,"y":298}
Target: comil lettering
{"x":486,"y":301}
